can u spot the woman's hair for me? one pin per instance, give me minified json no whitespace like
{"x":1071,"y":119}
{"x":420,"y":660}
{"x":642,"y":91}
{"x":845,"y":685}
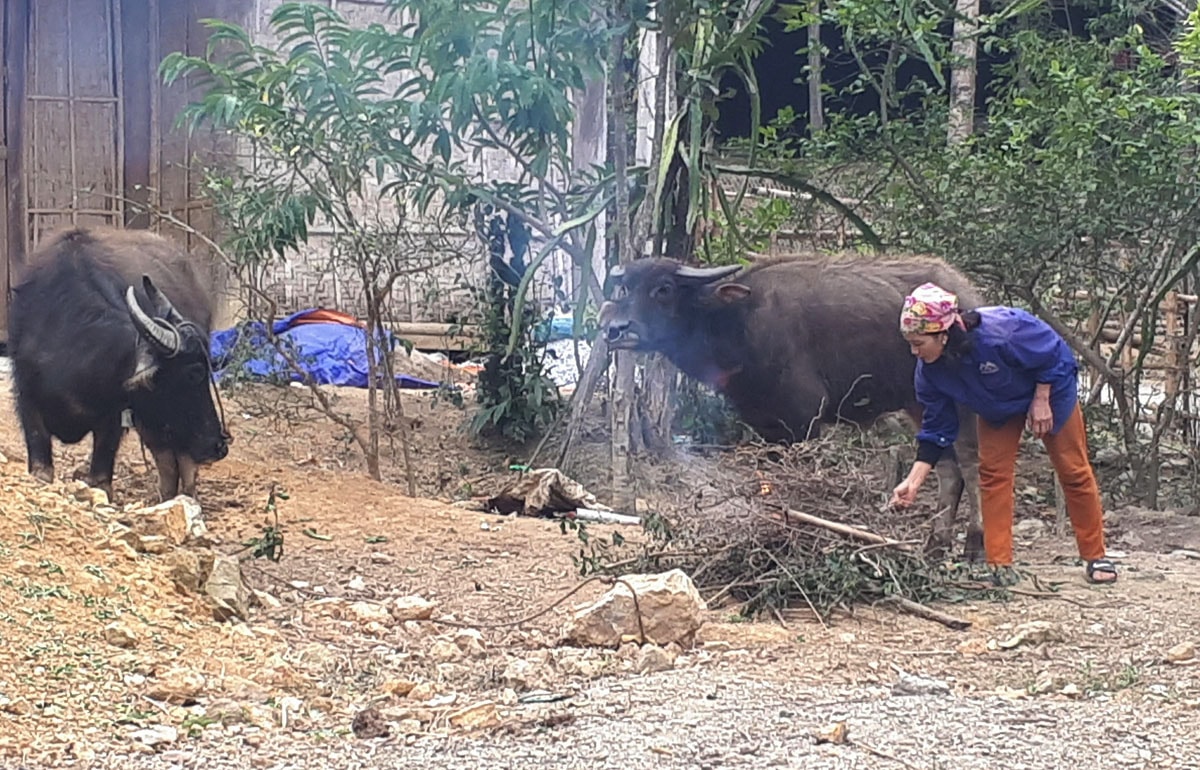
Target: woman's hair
{"x":958,"y":339}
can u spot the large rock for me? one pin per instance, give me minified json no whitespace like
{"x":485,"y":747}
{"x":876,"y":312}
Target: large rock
{"x":670,"y":608}
{"x":178,"y":520}
{"x":226,"y":589}
{"x":177,"y":686}
{"x":189,"y":570}
{"x":405,"y":608}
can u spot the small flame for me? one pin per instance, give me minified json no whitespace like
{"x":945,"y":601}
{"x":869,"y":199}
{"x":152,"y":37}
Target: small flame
{"x":764,"y":486}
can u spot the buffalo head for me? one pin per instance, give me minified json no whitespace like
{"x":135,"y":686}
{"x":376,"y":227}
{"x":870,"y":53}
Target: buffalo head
{"x":657,"y":302}
{"x":171,"y":393}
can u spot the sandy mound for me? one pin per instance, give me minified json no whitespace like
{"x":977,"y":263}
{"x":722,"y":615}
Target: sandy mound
{"x":95,"y":640}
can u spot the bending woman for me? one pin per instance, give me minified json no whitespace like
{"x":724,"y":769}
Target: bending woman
{"x":1012,"y":369}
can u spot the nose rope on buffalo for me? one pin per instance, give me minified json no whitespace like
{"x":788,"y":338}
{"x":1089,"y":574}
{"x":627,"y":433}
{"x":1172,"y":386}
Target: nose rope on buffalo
{"x":212,"y":381}
{"x":220,"y":406}
{"x":216,"y":393}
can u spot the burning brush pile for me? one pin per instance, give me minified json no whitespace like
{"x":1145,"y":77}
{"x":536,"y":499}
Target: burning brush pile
{"x":802,"y":526}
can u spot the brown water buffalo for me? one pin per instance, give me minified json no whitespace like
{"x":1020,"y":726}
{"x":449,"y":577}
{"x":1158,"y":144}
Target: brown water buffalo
{"x":103,"y":320}
{"x":796,"y":342}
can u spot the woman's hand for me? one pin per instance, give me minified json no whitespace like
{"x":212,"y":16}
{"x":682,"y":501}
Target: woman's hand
{"x":1041,"y":417}
{"x":905,"y":493}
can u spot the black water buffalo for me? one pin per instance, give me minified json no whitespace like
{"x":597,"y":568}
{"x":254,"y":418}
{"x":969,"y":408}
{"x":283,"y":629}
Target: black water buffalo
{"x":796,"y":342}
{"x":103,"y":320}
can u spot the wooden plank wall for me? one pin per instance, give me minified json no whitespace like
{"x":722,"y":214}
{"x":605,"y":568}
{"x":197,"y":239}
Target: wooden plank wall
{"x":74,"y":119}
{"x":173,"y":167}
{"x":7,"y":16}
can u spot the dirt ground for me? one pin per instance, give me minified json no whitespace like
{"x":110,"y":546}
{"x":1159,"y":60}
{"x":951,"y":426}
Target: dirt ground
{"x":74,"y":688}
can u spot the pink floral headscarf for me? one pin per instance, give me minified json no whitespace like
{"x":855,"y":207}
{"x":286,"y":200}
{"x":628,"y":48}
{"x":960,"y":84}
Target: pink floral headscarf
{"x":930,"y":309}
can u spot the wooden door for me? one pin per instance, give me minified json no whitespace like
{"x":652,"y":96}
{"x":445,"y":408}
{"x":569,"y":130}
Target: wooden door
{"x":73,"y":116}
{"x":11,"y":31}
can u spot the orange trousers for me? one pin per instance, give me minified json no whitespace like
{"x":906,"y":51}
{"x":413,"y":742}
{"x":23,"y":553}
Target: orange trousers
{"x":998,"y":449}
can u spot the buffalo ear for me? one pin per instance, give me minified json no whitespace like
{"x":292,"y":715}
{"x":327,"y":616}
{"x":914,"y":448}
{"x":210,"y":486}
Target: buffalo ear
{"x":729,"y":293}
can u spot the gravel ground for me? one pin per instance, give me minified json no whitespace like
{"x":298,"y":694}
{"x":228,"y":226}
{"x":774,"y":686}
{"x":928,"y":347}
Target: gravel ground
{"x":706,"y":719}
{"x":750,"y":695}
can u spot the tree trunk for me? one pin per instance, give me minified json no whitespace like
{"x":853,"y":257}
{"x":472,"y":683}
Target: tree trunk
{"x":658,"y":404}
{"x":372,"y":372}
{"x":589,"y":147}
{"x":962,"y":73}
{"x":816,"y":102}
{"x":623,"y":491}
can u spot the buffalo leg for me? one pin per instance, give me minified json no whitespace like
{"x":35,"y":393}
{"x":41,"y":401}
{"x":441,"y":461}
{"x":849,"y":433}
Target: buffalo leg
{"x":168,"y":473}
{"x":967,"y":450}
{"x":37,"y":442}
{"x":950,"y":489}
{"x":187,"y":475}
{"x":106,"y":440}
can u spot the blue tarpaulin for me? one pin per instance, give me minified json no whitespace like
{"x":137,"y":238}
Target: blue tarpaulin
{"x":327,"y":345}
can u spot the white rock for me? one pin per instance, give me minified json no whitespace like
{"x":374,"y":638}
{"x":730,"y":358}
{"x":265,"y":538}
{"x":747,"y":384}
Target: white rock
{"x":119,"y":636}
{"x":188,"y":569}
{"x":1182,"y":652}
{"x":470,"y":641}
{"x":153,"y":736}
{"x":1034,"y":632}
{"x":414,"y":607}
{"x":92,"y":496}
{"x":368,"y":612}
{"x":911,"y":684}
{"x":477,"y":716}
{"x":652,"y":658}
{"x":226,"y":589}
{"x":669,"y":605}
{"x":178,"y":520}
{"x":443,"y":650}
{"x":177,"y":686}
{"x":518,"y":674}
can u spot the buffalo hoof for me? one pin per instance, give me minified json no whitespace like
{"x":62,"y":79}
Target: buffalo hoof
{"x":43,"y":473}
{"x":937,"y":548}
{"x":973,"y":551}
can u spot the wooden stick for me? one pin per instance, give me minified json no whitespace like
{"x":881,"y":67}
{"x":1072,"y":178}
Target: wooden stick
{"x":845,"y":529}
{"x":602,"y":517}
{"x":928,"y":613}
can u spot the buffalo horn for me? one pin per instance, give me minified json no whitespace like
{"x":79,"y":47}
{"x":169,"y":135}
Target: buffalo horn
{"x":618,"y":271}
{"x":158,"y":331}
{"x":160,"y":301}
{"x":706,"y":274}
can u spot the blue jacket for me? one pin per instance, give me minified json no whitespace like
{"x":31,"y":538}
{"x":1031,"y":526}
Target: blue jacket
{"x":1012,"y":351}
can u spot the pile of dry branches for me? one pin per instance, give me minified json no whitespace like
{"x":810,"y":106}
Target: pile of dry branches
{"x":801,"y":525}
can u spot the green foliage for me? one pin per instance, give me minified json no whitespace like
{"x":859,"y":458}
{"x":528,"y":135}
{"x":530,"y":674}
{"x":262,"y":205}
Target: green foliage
{"x":752,"y":227}
{"x":270,"y":545}
{"x":706,"y":417}
{"x":369,"y":128}
{"x":517,"y":400}
{"x":1081,"y":180}
{"x":594,"y":552}
{"x":1074,"y":161}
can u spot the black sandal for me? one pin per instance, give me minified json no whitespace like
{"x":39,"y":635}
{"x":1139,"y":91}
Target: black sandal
{"x":1101,"y":565}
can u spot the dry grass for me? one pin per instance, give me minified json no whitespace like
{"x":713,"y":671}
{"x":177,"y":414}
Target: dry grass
{"x":740,"y":539}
